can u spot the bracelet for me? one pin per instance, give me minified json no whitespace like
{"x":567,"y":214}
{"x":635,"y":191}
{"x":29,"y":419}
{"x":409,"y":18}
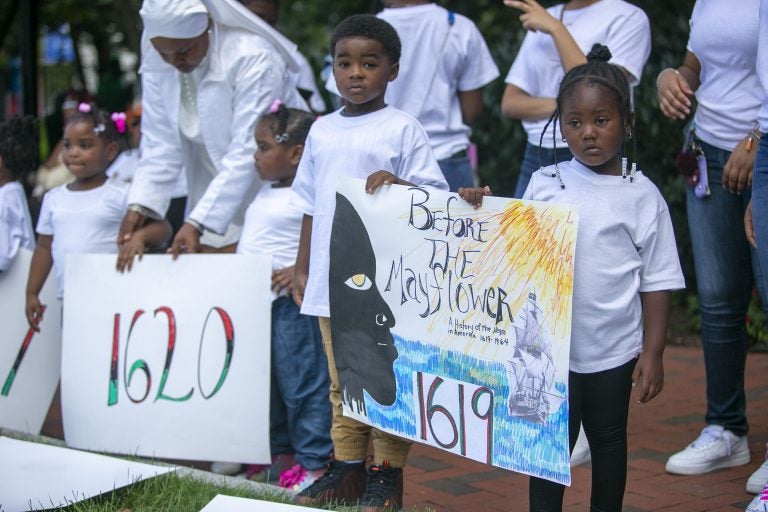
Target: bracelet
{"x":753,"y":136}
{"x":658,"y":77}
{"x":199,"y":227}
{"x":143,"y":211}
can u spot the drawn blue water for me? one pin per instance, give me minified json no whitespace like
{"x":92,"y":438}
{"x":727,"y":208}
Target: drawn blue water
{"x":519,"y":445}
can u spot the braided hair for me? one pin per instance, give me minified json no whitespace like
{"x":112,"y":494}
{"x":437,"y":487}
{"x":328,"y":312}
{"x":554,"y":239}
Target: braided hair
{"x":289,"y":125}
{"x":18,"y":145}
{"x":596,"y":71}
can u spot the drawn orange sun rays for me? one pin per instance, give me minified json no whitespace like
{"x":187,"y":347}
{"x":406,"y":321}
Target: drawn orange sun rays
{"x":534,"y":253}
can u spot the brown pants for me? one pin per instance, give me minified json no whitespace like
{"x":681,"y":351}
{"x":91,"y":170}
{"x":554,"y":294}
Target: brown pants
{"x":350,"y":437}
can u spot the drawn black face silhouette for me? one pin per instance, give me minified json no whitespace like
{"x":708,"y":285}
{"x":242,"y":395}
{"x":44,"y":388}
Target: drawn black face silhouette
{"x":360,"y":319}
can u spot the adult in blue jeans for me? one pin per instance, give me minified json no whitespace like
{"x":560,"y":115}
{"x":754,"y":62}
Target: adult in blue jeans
{"x":719,"y":69}
{"x":757,"y":231}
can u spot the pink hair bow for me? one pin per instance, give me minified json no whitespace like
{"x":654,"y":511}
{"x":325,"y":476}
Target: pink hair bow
{"x":84,"y":107}
{"x":275,"y":106}
{"x":119,"y":119}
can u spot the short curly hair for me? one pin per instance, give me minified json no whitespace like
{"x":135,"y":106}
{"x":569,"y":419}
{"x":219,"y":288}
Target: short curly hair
{"x":368,"y":26}
{"x":18,"y":145}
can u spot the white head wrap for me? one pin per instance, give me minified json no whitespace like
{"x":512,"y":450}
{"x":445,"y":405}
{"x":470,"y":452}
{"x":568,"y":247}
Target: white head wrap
{"x":175,"y":19}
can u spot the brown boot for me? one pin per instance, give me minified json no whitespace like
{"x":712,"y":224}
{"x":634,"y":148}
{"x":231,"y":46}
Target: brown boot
{"x":384,"y":489}
{"x":342,"y":484}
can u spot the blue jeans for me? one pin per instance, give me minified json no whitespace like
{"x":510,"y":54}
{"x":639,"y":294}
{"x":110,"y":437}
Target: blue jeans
{"x":760,"y":208}
{"x":725,"y":266}
{"x":300,"y":413}
{"x":457,"y":172}
{"x":534,"y":159}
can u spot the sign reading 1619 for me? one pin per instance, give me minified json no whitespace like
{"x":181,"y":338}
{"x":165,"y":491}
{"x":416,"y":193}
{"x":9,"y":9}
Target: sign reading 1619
{"x":455,"y":416}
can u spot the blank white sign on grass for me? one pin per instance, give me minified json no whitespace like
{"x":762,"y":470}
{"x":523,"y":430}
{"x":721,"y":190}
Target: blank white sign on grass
{"x":35,"y":476}
{"x":223,"y":503}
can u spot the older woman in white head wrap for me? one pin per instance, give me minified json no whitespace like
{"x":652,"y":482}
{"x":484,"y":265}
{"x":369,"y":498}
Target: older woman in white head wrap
{"x":209,"y":69}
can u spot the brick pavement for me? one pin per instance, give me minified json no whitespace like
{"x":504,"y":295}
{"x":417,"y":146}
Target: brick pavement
{"x":444,"y":482}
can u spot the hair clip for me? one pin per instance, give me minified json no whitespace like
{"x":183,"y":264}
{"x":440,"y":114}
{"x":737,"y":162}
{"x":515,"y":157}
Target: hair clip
{"x":119,"y":119}
{"x":282,"y":138}
{"x":69,"y":105}
{"x":99,"y":128}
{"x":632,"y":172}
{"x":275,"y":106}
{"x":84,"y":107}
{"x":623,"y":167}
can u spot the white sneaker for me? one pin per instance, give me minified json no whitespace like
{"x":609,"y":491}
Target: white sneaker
{"x":581,"y":454}
{"x":715,"y":448}
{"x":758,"y":479}
{"x":760,"y":502}
{"x":226,"y":468}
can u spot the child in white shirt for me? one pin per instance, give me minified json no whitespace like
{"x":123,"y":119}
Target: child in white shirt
{"x":365,"y":139}
{"x":18,"y":156}
{"x":626,"y":264}
{"x":85,"y":215}
{"x":300,"y":414}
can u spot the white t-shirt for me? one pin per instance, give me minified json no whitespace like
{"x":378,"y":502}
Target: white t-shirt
{"x":15,"y":223}
{"x":537,"y":69}
{"x":724,"y":39}
{"x":762,"y":63}
{"x":272,"y":227}
{"x":625,"y":245}
{"x":443,"y":53}
{"x":82,"y":222}
{"x":339,"y":148}
{"x":123,"y":167}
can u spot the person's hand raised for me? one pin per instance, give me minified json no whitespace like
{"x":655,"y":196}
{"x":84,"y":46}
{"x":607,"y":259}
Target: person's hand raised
{"x":535,"y":17}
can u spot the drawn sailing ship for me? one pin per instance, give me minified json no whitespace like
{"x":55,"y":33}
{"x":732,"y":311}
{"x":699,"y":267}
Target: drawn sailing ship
{"x":531,"y":371}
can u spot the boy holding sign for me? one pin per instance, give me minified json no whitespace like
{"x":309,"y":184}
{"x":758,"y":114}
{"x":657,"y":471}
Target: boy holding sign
{"x":365,"y":139}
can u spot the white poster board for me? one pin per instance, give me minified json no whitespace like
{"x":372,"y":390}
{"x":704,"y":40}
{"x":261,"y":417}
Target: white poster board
{"x":29,"y":360}
{"x":170,"y":360}
{"x":451,"y":325}
{"x":223,"y":503}
{"x":35,"y":476}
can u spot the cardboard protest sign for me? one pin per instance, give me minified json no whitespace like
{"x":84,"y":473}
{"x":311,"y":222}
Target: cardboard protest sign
{"x":37,"y":476}
{"x":169,"y":360}
{"x":451,"y":326}
{"x":29,"y":360}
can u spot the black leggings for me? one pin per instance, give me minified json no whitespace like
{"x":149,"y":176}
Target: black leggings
{"x":601,"y":402}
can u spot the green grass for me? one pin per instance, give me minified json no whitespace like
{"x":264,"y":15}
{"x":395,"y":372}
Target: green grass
{"x":174,"y":493}
{"x":168,"y":492}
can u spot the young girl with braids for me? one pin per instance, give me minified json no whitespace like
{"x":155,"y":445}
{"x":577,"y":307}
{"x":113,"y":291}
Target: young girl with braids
{"x":626,"y":264}
{"x":300,"y":414}
{"x":84,"y":216}
{"x":18,"y":156}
